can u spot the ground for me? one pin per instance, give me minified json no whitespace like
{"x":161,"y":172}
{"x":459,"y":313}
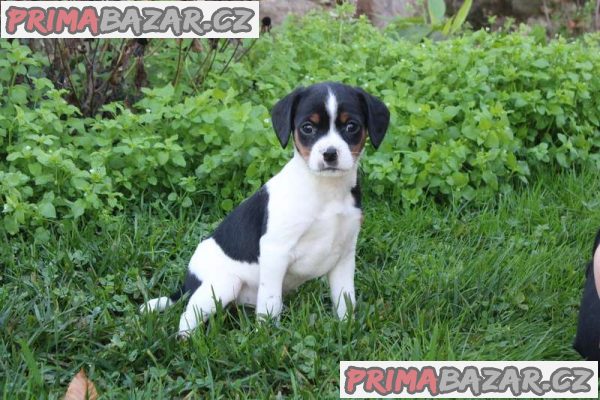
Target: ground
{"x":493,"y":281}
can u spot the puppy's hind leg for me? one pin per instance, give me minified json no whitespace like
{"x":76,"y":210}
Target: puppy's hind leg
{"x":203,"y":302}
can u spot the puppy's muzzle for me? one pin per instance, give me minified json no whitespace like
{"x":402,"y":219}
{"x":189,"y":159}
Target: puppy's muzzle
{"x":330,"y":156}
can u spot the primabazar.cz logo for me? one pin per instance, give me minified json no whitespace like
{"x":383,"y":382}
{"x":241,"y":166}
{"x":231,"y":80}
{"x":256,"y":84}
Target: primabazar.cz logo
{"x":129,"y":19}
{"x":462,"y":379}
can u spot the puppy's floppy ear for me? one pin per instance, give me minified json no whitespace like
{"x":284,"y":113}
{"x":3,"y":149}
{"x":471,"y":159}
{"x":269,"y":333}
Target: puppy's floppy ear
{"x":378,"y":116}
{"x":282,"y":115}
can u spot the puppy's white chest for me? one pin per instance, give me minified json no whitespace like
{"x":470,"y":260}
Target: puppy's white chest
{"x":331,"y":236}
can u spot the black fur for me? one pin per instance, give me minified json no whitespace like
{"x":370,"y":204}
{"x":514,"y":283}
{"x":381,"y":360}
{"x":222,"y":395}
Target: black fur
{"x":357,"y":195}
{"x":295,"y":109}
{"x":587,"y":341}
{"x":238,"y":236}
{"x":240,"y":232}
{"x":378,"y":117}
{"x":312,"y":101}
{"x":283,"y":115}
{"x":190,"y":285}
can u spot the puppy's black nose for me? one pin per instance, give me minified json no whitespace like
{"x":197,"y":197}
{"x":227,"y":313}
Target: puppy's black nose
{"x":330,"y":155}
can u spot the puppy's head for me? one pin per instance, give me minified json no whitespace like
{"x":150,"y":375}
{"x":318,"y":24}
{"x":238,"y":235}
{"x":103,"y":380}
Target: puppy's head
{"x":330,"y":123}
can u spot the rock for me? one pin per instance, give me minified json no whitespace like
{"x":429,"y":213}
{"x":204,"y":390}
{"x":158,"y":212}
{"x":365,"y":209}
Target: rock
{"x":380,"y":12}
{"x":526,"y":9}
{"x":481,"y":10}
{"x":277,"y":10}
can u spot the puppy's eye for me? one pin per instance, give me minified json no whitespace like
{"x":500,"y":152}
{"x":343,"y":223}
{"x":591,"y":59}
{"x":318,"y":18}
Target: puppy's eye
{"x":307,"y":129}
{"x":352,"y":127}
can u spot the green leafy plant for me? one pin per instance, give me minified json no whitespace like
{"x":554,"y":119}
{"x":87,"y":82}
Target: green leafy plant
{"x":471,"y":116}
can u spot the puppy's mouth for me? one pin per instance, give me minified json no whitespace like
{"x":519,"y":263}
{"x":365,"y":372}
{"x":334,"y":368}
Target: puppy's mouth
{"x":331,"y":171}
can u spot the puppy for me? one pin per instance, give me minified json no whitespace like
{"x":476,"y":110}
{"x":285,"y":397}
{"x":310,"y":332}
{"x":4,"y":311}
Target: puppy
{"x":587,"y":341}
{"x":303,"y":223}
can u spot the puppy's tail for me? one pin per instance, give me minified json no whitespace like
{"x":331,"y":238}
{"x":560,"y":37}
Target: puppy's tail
{"x":190,"y":285}
{"x":157,"y":304}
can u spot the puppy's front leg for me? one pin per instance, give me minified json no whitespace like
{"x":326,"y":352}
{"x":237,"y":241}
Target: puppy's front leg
{"x":341,"y":282}
{"x":273,"y":266}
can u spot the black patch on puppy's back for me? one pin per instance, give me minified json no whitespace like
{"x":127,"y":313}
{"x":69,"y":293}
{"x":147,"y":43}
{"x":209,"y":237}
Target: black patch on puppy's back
{"x":240,"y":232}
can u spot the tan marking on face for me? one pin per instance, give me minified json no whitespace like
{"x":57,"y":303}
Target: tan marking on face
{"x":360,"y":146}
{"x":315,"y":118}
{"x":303,"y":150}
{"x":344,"y":117}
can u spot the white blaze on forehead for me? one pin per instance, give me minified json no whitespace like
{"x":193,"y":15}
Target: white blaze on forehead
{"x":331,"y":105}
{"x":333,"y":138}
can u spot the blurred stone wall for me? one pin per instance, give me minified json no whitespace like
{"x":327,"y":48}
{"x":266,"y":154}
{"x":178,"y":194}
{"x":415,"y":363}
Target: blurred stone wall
{"x":482,"y":9}
{"x":380,"y":12}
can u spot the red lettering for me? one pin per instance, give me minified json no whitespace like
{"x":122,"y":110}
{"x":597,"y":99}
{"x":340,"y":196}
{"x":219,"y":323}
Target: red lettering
{"x":65,"y":17}
{"x":428,"y":379}
{"x":406,"y":378}
{"x":354,"y":376}
{"x":34,"y":22}
{"x":375,"y":377}
{"x":50,"y":19}
{"x":389,"y":379}
{"x":89,"y":19}
{"x":15,"y":16}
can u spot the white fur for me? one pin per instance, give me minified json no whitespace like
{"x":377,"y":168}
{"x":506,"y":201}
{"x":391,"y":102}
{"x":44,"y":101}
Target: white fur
{"x":158,"y":304}
{"x":311,"y":231}
{"x":312,"y":228}
{"x":332,"y":139}
{"x":331,"y":105}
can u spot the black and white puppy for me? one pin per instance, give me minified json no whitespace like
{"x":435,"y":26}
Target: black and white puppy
{"x":303,"y":223}
{"x":587,"y":341}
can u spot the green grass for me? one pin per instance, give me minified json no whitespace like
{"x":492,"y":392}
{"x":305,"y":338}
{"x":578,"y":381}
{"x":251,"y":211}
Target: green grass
{"x":495,"y":281}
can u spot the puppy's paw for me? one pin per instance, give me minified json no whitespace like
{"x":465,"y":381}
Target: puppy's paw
{"x":184,"y":335}
{"x":188,"y":322}
{"x":158,"y":304}
{"x":265,"y":319}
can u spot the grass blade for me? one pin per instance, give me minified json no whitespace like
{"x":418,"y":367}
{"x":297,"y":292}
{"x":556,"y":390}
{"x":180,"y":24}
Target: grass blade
{"x":461,"y":16}
{"x":34,"y":372}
